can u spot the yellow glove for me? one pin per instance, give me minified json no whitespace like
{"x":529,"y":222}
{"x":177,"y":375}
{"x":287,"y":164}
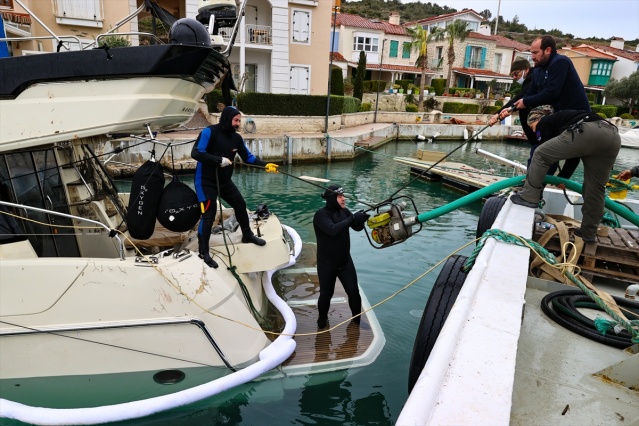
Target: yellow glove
{"x":271,"y":168}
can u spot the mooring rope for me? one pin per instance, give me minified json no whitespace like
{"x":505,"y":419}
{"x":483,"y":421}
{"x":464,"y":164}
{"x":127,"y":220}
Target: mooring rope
{"x":550,"y":259}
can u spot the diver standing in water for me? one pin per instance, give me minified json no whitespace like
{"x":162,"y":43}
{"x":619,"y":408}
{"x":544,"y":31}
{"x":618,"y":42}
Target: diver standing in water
{"x":331,"y":224}
{"x":214,"y":150}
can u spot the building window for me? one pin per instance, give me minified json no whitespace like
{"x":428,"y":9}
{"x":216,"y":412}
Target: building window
{"x":87,"y":13}
{"x":6,"y":4}
{"x":406,"y":50}
{"x":475,"y":57}
{"x":367,"y":44}
{"x":394,"y":46}
{"x":498,"y":59}
{"x":300,"y":80}
{"x":301,"y":27}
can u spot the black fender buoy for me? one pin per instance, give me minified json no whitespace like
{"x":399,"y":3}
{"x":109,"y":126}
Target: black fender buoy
{"x":445,"y":290}
{"x":489,"y":213}
{"x":178,"y":210}
{"x":146,"y":190}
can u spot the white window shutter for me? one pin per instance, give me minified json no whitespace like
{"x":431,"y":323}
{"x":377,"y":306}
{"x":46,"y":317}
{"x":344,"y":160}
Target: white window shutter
{"x":80,"y":9}
{"x":301,"y":26}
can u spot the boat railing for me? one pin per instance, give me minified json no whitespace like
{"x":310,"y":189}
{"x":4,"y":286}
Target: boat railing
{"x":132,"y":33}
{"x":59,"y":38}
{"x":109,"y":231}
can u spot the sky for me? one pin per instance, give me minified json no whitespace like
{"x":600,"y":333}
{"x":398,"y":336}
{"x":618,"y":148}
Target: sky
{"x":581,"y":18}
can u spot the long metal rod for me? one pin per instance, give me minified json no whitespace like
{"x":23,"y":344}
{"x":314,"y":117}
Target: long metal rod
{"x":502,"y":160}
{"x":40,"y":22}
{"x":119,"y":24}
{"x":381,"y":61}
{"x":330,"y":71}
{"x":70,"y":216}
{"x":240,"y":14}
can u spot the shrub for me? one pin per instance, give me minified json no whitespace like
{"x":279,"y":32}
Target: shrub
{"x":439,"y":85}
{"x":431,"y":103}
{"x":608,"y":110}
{"x":499,"y":103}
{"x":591,"y":97}
{"x":351,"y":105}
{"x":114,"y":41}
{"x":348,"y":87}
{"x":601,"y":114}
{"x":282,"y":104}
{"x":404,"y":83}
{"x":365,"y":107}
{"x":490,"y":109}
{"x":626,"y":116}
{"x":358,"y":84}
{"x":460,"y":108}
{"x":337,"y":82}
{"x":411,"y":108}
{"x":212,"y":99}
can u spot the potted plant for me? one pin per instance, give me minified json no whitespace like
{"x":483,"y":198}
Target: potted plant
{"x":396,"y":88}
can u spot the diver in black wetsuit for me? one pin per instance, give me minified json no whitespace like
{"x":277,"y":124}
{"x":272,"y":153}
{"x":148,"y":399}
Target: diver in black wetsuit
{"x":215,"y":148}
{"x":331,"y":224}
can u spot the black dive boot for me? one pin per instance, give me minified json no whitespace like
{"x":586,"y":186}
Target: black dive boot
{"x":204,"y":254}
{"x":251,"y":238}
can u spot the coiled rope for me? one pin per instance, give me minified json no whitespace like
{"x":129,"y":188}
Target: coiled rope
{"x":550,"y":259}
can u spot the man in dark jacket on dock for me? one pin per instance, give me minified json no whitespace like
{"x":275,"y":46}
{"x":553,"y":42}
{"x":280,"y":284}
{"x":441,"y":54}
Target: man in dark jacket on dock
{"x":214,"y":150}
{"x":572,"y":135}
{"x":555,"y":80}
{"x":331,"y":224}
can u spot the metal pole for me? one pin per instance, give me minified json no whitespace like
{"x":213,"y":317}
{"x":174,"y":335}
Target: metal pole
{"x":381,"y":61}
{"x":330,"y":72}
{"x":497,"y":21}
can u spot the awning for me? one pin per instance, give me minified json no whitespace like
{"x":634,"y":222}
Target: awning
{"x":499,"y":80}
{"x":18,"y":18}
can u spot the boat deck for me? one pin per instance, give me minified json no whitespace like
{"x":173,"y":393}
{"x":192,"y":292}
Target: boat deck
{"x":348,"y":344}
{"x":566,"y":385}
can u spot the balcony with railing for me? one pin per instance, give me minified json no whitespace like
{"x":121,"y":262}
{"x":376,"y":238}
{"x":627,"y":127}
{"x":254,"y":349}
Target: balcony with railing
{"x":255,"y":34}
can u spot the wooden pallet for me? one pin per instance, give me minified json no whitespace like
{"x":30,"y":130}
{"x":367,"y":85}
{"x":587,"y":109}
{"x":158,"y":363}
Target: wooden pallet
{"x":614,"y":256}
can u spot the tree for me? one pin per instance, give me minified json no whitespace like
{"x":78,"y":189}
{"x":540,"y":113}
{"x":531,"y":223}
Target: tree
{"x":337,"y":82}
{"x":486,"y":14}
{"x":626,"y":90}
{"x":458,"y":30}
{"x":360,"y":73}
{"x":421,"y":37}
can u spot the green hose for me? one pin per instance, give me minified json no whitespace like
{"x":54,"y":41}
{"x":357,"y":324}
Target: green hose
{"x":518,"y":180}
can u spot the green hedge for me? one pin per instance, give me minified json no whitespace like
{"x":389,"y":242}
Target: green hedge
{"x":608,"y":110}
{"x":411,"y":108}
{"x":305,"y":105}
{"x":364,"y":107}
{"x":460,"y":108}
{"x":212,"y":99}
{"x":490,"y":109}
{"x":370,"y":86}
{"x":626,"y":116}
{"x":499,"y":103}
{"x":439,"y":85}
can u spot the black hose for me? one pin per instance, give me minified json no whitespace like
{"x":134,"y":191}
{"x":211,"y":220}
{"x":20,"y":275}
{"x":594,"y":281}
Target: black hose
{"x":565,"y":312}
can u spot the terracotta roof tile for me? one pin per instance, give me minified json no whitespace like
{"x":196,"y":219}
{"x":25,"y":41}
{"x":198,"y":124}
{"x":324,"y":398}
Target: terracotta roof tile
{"x":626,"y":54}
{"x":349,"y":20}
{"x":482,"y":73}
{"x":439,"y":17}
{"x":337,"y":57}
{"x":404,"y":68}
{"x":591,"y":52}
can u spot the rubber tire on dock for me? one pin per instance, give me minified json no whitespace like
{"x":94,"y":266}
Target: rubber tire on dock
{"x":445,"y":290}
{"x":489,"y":213}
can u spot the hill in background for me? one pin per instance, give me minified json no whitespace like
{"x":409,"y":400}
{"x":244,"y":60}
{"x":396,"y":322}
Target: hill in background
{"x":380,"y":9}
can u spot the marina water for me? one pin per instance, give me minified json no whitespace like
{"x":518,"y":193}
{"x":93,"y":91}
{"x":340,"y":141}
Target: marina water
{"x":374,"y":394}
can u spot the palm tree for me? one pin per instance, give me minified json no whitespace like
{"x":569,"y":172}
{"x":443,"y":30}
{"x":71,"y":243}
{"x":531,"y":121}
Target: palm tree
{"x":456,"y":31}
{"x":420,"y":41}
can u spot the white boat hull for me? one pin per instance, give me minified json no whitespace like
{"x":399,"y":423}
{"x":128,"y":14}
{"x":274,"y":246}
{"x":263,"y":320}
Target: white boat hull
{"x":79,"y":109}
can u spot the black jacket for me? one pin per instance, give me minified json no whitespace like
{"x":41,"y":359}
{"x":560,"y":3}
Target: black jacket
{"x":557,"y":83}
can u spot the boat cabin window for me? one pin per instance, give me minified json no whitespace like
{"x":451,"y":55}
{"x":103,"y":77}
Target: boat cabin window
{"x":33,"y":179}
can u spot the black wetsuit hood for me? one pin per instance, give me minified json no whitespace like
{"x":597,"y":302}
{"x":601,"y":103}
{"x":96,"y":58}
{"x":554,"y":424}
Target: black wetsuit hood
{"x":226,"y":119}
{"x":331,"y":198}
